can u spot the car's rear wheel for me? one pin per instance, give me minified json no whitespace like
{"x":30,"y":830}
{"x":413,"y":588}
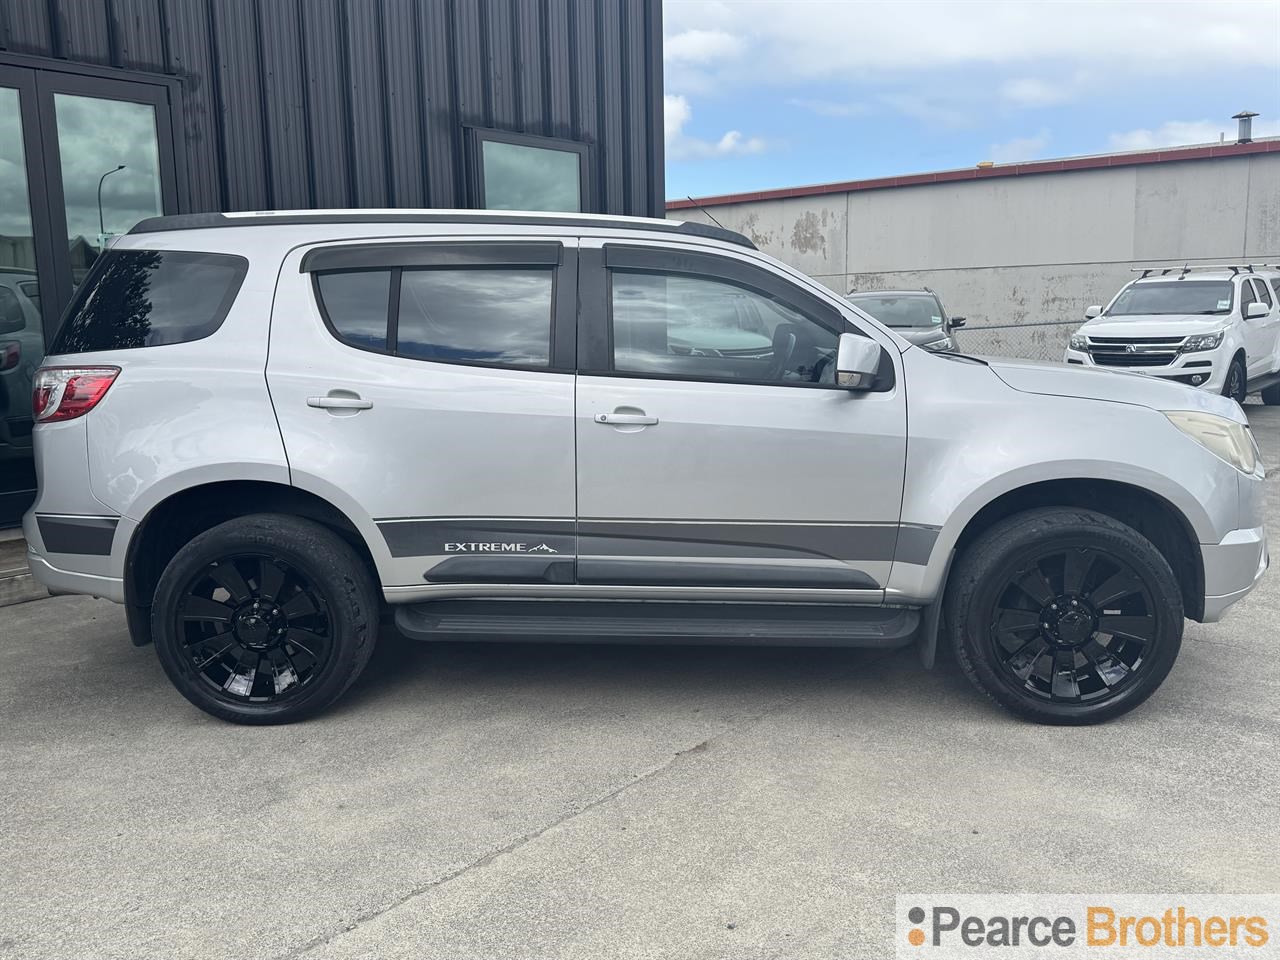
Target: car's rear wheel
{"x":1064,"y":616}
{"x":1235,"y":386}
{"x":1271,"y":396}
{"x":265,"y":619}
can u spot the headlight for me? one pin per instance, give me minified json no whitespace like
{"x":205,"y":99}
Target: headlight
{"x":946,"y":343}
{"x":1203,"y":341}
{"x":1078,"y":342}
{"x":1225,"y":439}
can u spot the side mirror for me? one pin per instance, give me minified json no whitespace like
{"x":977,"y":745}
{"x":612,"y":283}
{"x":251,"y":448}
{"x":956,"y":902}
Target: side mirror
{"x":1093,"y":311}
{"x":956,"y":322}
{"x":1255,"y":310}
{"x":857,"y":360}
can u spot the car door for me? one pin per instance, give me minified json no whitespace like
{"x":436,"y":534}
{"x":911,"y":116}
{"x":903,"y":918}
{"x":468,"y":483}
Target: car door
{"x":715,"y":454}
{"x":426,"y":389}
{"x":1257,"y":349}
{"x":1268,"y":330}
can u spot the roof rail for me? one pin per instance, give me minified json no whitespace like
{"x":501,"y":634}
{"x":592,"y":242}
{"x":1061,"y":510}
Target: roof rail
{"x":206,"y":221}
{"x":1183,"y":269}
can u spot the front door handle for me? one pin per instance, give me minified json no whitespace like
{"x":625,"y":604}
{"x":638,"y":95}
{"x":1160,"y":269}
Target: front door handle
{"x":627,"y":419}
{"x":339,"y":403}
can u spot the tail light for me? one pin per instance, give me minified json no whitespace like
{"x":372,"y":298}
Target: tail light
{"x":64,"y":393}
{"x":10,"y":354}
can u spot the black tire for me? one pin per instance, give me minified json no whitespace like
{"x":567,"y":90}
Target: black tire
{"x":1236,"y":385}
{"x":998,"y":628}
{"x":270,"y":590}
{"x":1271,"y":396}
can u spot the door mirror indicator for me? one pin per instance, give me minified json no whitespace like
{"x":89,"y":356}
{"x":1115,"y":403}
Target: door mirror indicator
{"x":857,"y":360}
{"x":1093,"y":311}
{"x":1255,"y":310}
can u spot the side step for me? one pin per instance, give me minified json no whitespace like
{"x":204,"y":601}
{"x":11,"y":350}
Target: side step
{"x":666,"y":622}
{"x":1261,"y":383}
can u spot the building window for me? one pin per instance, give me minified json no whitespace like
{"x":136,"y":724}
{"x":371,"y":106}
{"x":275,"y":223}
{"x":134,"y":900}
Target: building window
{"x":521,"y":172}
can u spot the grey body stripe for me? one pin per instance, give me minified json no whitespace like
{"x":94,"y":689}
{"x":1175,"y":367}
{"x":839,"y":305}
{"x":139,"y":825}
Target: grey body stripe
{"x":87,"y":536}
{"x":851,"y":542}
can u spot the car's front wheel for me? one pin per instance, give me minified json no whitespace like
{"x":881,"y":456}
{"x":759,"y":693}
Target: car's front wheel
{"x":1064,"y":616}
{"x":265,"y":619}
{"x":1235,"y":385}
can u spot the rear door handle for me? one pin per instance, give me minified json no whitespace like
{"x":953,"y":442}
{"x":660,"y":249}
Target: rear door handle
{"x":339,"y":403}
{"x":639,"y":419}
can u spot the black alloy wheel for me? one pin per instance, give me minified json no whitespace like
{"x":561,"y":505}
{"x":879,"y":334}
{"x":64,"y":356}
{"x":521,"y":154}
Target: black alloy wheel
{"x":265,"y":618}
{"x":1235,"y":384}
{"x":254,"y":628}
{"x":1064,"y":616}
{"x":1074,"y":625}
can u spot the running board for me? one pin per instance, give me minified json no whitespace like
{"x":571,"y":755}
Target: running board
{"x":1262,"y":382}
{"x":691,"y":622}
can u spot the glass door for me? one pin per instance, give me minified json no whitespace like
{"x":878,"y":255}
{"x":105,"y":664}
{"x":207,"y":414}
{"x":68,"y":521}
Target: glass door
{"x":24,"y":278}
{"x":108,"y":141}
{"x":82,"y":159}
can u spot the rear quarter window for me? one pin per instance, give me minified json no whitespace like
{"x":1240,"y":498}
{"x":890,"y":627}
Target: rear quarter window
{"x":150,"y":298}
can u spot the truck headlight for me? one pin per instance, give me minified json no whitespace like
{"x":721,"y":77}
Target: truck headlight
{"x":1078,"y":342}
{"x":1225,"y":439}
{"x":946,"y":343}
{"x":1203,"y":341}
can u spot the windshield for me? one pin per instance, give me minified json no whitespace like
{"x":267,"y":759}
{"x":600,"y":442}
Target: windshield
{"x":910,"y":310}
{"x":1175,"y":296}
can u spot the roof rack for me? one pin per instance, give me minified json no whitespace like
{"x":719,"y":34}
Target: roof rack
{"x":1185,"y":268}
{"x":206,"y":221}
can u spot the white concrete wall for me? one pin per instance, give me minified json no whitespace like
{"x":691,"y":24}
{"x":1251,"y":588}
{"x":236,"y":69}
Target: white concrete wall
{"x":1022,"y":250}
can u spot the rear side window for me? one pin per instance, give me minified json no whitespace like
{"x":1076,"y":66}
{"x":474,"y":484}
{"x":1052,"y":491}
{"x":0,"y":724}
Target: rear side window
{"x":355,"y":306}
{"x":498,"y":316}
{"x":476,"y":316}
{"x":149,"y":298}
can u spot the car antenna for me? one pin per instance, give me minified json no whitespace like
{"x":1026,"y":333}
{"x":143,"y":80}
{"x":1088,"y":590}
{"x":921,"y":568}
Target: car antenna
{"x":704,"y":210}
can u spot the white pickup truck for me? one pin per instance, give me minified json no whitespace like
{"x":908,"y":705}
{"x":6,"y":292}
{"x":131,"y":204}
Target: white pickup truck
{"x":1213,"y":326}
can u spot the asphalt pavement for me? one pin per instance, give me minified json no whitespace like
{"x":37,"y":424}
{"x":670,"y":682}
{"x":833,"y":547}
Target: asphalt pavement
{"x":511,"y":801}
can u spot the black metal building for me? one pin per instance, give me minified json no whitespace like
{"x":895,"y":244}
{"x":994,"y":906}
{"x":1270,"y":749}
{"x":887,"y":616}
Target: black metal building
{"x":112,"y":110}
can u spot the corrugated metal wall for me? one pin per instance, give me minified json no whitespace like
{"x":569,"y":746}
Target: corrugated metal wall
{"x":342,"y":103}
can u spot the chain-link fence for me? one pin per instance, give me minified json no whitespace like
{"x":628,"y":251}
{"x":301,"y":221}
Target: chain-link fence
{"x":1030,"y":341}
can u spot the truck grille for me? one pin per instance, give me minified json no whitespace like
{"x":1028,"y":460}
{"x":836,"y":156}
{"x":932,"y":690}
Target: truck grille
{"x":1134,"y":351}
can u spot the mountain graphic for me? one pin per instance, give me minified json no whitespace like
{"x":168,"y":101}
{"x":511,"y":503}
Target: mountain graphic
{"x":542,"y":548}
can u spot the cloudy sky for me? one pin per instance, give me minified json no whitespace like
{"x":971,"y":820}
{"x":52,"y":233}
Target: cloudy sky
{"x":774,"y":93}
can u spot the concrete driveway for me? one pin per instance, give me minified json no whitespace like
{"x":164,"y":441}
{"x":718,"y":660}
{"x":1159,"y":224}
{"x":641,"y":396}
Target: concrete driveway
{"x":542,"y":801}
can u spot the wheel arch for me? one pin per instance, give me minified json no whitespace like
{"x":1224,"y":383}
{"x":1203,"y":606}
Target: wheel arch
{"x":1153,"y":516}
{"x":172,"y":522}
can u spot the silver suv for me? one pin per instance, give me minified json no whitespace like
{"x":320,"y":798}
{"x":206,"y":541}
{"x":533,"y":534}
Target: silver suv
{"x":255,"y":430}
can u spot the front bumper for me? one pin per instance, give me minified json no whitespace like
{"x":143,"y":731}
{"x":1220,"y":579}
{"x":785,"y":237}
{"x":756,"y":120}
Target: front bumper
{"x":1232,"y":568}
{"x":1204,"y":366}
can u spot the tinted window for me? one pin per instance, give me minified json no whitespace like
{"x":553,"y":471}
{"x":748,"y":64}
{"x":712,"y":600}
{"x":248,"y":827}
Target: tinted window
{"x":1263,"y":292}
{"x":682,"y":325}
{"x":148,"y":298}
{"x":1175,"y":296}
{"x":500,"y":316}
{"x":1247,"y":296}
{"x":355,"y":305}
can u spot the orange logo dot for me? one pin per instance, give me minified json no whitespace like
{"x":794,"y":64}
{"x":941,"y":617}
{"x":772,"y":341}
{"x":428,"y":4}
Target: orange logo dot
{"x":915,"y":938}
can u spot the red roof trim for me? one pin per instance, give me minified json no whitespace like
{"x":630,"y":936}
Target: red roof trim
{"x":982,"y":173}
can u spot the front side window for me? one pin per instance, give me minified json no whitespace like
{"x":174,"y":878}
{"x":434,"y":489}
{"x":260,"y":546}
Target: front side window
{"x":680,"y":325}
{"x":1263,"y":293}
{"x":499,"y":316}
{"x":1174,"y":297}
{"x":150,"y":298}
